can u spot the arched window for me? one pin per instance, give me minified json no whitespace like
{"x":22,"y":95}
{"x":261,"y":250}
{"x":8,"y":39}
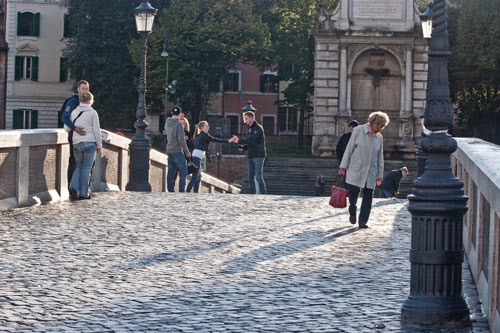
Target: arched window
{"x":28,"y":24}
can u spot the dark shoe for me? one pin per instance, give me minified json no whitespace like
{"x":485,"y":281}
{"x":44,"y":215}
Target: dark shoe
{"x":364,"y":226}
{"x":73,"y":195}
{"x":352,"y":219}
{"x":85,"y":198}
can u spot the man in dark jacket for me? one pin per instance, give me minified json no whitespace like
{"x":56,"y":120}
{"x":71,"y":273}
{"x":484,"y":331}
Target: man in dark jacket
{"x":69,"y":105}
{"x":390,"y":185}
{"x":342,"y":144}
{"x":255,"y":145}
{"x":344,"y":139}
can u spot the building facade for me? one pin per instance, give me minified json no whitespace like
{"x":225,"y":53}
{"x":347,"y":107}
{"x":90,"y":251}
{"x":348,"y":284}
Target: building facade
{"x":3,"y":62}
{"x":370,"y":56}
{"x":242,"y":83}
{"x":37,"y":82}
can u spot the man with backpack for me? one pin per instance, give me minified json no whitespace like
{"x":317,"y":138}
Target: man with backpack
{"x":69,"y":105}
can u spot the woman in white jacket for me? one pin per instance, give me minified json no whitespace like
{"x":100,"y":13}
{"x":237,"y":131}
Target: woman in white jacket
{"x":84,"y":146}
{"x":364,"y":162}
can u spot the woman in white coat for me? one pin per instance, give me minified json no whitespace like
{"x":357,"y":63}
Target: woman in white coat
{"x":84,"y":146}
{"x":363,"y":164}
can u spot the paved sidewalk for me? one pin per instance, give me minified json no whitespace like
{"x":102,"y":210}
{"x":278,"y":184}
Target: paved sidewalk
{"x":206,"y":263}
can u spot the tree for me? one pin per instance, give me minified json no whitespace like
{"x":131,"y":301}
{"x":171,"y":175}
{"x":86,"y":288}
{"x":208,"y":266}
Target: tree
{"x":475,"y":65}
{"x":205,"y":38}
{"x":99,"y":53}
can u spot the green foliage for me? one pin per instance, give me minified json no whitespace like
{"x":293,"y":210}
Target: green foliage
{"x":474,"y":28}
{"x":99,"y":54}
{"x":205,"y":38}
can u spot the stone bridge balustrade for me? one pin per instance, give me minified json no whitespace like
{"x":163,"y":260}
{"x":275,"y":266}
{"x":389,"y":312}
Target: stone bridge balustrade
{"x":476,"y":163}
{"x":33,"y":166}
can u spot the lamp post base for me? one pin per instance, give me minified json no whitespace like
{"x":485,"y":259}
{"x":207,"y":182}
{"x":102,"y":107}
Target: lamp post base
{"x":139,"y":150}
{"x":435,"y":312}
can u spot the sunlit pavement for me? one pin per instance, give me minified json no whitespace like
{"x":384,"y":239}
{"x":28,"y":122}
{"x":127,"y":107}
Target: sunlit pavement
{"x":206,"y":263}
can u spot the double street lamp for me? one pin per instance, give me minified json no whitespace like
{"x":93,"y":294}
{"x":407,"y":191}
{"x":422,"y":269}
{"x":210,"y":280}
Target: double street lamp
{"x":169,"y":89}
{"x":437,"y":204}
{"x":141,"y":145}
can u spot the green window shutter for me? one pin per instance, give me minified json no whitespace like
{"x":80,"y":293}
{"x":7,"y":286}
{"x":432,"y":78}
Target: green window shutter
{"x":36,"y":24}
{"x":262,"y":83}
{"x":34,"y":68}
{"x":19,"y":19}
{"x":62,"y":71}
{"x":34,"y":119}
{"x":18,"y":118}
{"x":18,"y":72}
{"x":66,"y":32}
{"x":60,"y":124}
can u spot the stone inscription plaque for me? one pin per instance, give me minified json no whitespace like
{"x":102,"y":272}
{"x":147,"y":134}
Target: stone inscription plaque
{"x":378,"y":9}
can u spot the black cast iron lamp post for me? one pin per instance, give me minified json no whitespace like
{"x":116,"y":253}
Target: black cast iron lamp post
{"x":437,"y":204}
{"x":164,"y":53}
{"x":140,"y":146}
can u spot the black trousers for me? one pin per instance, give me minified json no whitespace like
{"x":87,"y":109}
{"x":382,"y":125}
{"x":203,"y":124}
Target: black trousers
{"x":366,"y":203}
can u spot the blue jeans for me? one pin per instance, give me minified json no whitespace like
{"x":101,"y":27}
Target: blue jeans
{"x":195,"y":177}
{"x":176,"y":161}
{"x":84,"y":153}
{"x":255,"y":166}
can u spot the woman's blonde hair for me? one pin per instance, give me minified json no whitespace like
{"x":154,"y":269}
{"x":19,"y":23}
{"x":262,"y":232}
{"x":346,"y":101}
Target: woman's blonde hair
{"x":86,"y":98}
{"x":198,"y":127}
{"x":379,"y":118}
{"x":187,"y":124}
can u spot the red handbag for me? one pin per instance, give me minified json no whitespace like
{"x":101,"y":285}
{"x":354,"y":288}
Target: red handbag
{"x":338,"y":197}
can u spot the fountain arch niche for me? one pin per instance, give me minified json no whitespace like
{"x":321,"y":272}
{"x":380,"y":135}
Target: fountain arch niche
{"x":376,"y":80}
{"x":370,"y":56}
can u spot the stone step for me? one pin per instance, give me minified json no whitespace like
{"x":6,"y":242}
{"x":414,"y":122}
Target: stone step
{"x":296,"y":176}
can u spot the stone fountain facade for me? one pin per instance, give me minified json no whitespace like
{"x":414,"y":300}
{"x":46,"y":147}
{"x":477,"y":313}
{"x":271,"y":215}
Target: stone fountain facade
{"x":370,"y":56}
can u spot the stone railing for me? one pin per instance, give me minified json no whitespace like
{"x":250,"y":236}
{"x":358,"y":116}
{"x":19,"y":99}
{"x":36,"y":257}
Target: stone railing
{"x":33,"y":167}
{"x":476,"y":163}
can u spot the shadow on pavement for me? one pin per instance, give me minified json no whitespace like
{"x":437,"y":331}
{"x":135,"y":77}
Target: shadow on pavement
{"x":190,"y":252}
{"x":297,"y":243}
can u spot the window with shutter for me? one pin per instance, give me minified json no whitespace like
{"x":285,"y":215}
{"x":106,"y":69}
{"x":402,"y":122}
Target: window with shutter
{"x":25,"y":119}
{"x":28,"y":24}
{"x":26,"y":68}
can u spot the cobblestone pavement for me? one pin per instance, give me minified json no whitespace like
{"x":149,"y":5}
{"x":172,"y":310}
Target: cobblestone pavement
{"x":206,"y":263}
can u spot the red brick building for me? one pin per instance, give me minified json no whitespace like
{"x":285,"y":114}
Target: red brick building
{"x":241,"y":84}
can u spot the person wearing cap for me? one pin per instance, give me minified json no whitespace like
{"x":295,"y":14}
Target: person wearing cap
{"x":177,"y":150}
{"x":390,"y":184}
{"x":344,"y":139}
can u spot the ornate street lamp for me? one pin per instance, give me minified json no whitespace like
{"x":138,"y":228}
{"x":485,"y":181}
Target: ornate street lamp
{"x":248,"y":107}
{"x":164,"y":53}
{"x":140,"y":146}
{"x":437,"y":204}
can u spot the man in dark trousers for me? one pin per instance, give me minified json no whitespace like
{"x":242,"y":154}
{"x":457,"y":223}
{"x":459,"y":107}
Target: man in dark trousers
{"x":390,"y":185}
{"x":342,"y":144}
{"x":255,"y":145}
{"x":69,"y":105}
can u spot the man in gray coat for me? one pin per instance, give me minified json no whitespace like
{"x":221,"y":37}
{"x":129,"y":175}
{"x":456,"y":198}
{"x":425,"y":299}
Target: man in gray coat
{"x":176,"y":148}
